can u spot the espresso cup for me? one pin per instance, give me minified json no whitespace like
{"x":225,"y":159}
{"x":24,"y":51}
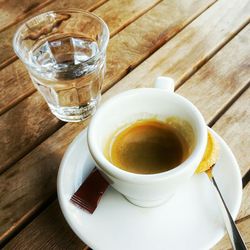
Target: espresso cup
{"x":146,"y":190}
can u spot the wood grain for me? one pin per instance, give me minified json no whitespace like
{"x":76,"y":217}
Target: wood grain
{"x":133,"y":41}
{"x":51,"y":229}
{"x":137,"y":41}
{"x":40,"y":171}
{"x":7,"y":54}
{"x":40,"y":234}
{"x":117,"y":17}
{"x":57,"y":238}
{"x":234,"y":128}
{"x":14,"y":11}
{"x":213,"y":87}
{"x":21,"y":84}
{"x":116,"y":20}
{"x":228,"y":126}
{"x":243,"y":227}
{"x":37,"y":170}
{"x":245,"y":204}
{"x":20,"y":120}
{"x":15,"y":83}
{"x":140,"y":39}
{"x":191,"y":48}
{"x":14,"y":79}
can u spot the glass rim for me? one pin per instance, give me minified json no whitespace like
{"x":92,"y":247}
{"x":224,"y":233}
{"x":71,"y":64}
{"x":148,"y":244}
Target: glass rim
{"x":63,"y":11}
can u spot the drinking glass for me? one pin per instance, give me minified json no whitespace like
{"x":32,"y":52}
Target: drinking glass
{"x":64,"y":52}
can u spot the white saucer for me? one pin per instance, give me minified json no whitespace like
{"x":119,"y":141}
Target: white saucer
{"x":190,"y":220}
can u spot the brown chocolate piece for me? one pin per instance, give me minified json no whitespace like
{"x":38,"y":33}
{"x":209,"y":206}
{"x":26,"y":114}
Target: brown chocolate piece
{"x":90,"y":192}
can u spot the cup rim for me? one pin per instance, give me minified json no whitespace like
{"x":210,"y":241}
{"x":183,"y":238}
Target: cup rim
{"x":69,"y":10}
{"x":116,"y":172}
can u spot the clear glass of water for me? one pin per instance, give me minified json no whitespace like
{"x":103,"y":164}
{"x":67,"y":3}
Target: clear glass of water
{"x":64,"y":52}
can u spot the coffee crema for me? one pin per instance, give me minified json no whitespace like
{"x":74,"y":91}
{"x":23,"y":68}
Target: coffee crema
{"x":150,"y":146}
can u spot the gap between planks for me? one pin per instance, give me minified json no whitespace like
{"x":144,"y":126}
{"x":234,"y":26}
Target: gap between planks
{"x":113,"y":31}
{"x":203,"y":62}
{"x":12,"y":58}
{"x":225,"y":243}
{"x":246,"y":179}
{"x":228,"y":105}
{"x":47,"y":206}
{"x":43,"y":8}
{"x":59,"y":125}
{"x":200,"y":64}
{"x":40,"y":8}
{"x":242,"y":219}
{"x":27,"y":219}
{"x":26,"y":14}
{"x":50,"y":6}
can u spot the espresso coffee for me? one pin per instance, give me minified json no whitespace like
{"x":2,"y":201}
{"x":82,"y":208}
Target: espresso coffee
{"x":149,"y":146}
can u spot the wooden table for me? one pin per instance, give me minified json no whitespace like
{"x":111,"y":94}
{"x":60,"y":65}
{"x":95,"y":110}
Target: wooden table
{"x":203,"y":44}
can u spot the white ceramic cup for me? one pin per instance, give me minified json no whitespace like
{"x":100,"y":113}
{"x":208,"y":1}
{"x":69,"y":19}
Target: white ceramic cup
{"x":146,"y":190}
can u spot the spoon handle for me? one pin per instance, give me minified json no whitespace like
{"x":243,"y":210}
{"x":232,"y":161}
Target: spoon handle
{"x":234,"y":234}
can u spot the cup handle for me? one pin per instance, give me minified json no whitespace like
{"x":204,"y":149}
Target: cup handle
{"x":165,"y":83}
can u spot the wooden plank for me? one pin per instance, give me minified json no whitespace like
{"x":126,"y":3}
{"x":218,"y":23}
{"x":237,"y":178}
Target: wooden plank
{"x":135,"y":51}
{"x":234,"y":128}
{"x":51,"y":229}
{"x":7,"y":54}
{"x":21,"y":83}
{"x":191,"y":48}
{"x":15,"y":79}
{"x":141,"y":43}
{"x":212,"y":88}
{"x":130,"y":11}
{"x":25,"y":137}
{"x":223,"y":85}
{"x":37,"y":170}
{"x":15,"y":11}
{"x":243,"y":227}
{"x":17,"y":208}
{"x":43,"y":235}
{"x":39,"y":225}
{"x":117,"y":17}
{"x":140,"y":39}
{"x":234,"y":120}
{"x":245,"y":204}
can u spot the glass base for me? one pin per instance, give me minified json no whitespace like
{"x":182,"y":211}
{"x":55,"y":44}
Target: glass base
{"x":75,"y":113}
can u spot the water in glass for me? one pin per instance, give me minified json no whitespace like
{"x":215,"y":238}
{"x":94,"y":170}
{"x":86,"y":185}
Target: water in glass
{"x":64,"y":52}
{"x":72,"y":83}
